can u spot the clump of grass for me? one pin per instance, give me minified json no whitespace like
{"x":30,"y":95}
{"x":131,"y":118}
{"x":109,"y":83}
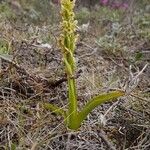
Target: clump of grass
{"x":68,"y":38}
{"x":4,"y":47}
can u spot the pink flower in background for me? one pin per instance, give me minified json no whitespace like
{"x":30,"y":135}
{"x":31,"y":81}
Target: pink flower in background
{"x":115,"y":5}
{"x":124,"y":6}
{"x":56,"y":1}
{"x":104,"y":2}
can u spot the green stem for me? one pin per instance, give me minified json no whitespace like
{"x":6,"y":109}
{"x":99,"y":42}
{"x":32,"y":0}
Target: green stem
{"x":72,"y":111}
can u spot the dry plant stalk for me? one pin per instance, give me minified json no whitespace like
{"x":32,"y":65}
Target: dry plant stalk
{"x":67,"y":42}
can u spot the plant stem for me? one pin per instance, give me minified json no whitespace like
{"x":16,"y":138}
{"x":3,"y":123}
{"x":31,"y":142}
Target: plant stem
{"x":72,"y":111}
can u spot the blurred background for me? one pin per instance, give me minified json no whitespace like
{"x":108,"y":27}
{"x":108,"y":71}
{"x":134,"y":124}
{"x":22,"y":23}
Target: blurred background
{"x":47,"y":11}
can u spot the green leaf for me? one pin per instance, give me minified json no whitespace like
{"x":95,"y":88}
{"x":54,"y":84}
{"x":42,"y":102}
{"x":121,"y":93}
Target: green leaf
{"x":13,"y":146}
{"x":6,"y":57}
{"x":98,"y":100}
{"x":55,"y":109}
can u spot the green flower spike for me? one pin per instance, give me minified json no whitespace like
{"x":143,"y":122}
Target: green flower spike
{"x":67,"y":42}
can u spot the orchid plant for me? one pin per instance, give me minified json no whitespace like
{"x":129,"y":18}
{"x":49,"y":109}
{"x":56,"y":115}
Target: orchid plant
{"x":73,"y":117}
